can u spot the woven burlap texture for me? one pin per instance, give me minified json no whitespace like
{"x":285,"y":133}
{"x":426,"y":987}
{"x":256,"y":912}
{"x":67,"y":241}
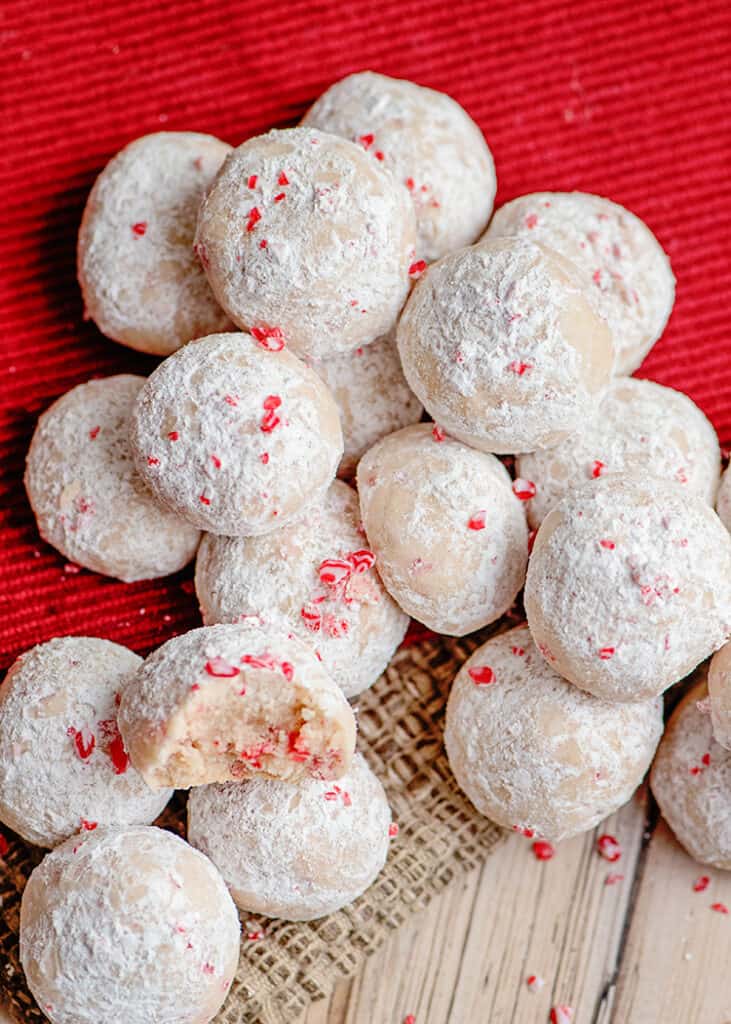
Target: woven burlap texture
{"x":440,"y":837}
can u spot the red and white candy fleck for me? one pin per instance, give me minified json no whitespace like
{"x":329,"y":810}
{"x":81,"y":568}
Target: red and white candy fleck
{"x":561,"y":1014}
{"x":534,"y":983}
{"x":608,"y":848}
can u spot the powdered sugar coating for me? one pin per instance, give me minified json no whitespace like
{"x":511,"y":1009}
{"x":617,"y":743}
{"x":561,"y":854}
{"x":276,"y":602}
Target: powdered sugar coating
{"x":531,"y":750}
{"x":304,"y":232}
{"x":723,"y":501}
{"x":628,"y":276}
{"x":638,"y":427}
{"x":449,"y":535}
{"x":373,"y":397}
{"x":128,"y":925}
{"x":502,"y":347}
{"x":89,"y":501}
{"x":294,"y":852}
{"x":62,"y":761}
{"x":350,"y":620}
{"x":139,"y":276}
{"x":227,"y":701}
{"x":629,"y":586}
{"x":235,"y":438}
{"x":719,"y":689}
{"x":430,"y":144}
{"x":691,"y":781}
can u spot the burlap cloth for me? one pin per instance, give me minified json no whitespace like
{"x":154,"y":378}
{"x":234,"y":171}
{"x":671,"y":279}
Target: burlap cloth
{"x":440,"y":837}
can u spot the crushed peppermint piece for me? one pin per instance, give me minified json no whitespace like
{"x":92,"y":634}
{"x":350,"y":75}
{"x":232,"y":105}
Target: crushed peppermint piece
{"x":477,"y":520}
{"x":608,"y":848}
{"x":701,"y":883}
{"x":543,"y":850}
{"x":139,"y":228}
{"x":524,"y":489}
{"x":481,"y":675}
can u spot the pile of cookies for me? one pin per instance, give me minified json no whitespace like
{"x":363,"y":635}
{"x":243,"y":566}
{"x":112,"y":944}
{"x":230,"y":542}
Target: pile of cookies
{"x":313,"y":292}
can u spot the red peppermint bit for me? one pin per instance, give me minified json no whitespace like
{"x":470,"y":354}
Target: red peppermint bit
{"x":518,"y":651}
{"x":706,"y":759}
{"x":481,"y":675}
{"x":94,"y":433}
{"x":417,"y":269}
{"x":524,"y":489}
{"x":139,"y":228}
{"x":152,"y":461}
{"x":204,"y":500}
{"x":608,"y":544}
{"x":361,"y":560}
{"x":311,"y":617}
{"x":534,"y":983}
{"x":282,"y":179}
{"x":253,"y":218}
{"x":437,"y":433}
{"x":287,"y":671}
{"x":173,"y":435}
{"x":118,"y":755}
{"x":561,"y":1015}
{"x":701,"y":883}
{"x":263,"y":244}
{"x":334,"y":627}
{"x":88,"y":826}
{"x":532,"y":539}
{"x":295,"y":750}
{"x":608,"y":848}
{"x":84,"y":746}
{"x":613,"y":879}
{"x":596,"y":468}
{"x":5,"y":848}
{"x":519,"y":367}
{"x":720,"y":908}
{"x":477,"y":520}
{"x":270,"y":338}
{"x":209,"y":969}
{"x":695,"y":770}
{"x":366,"y":141}
{"x":253,"y":178}
{"x":409,"y":184}
{"x":254,"y":936}
{"x":216,"y":461}
{"x":221,"y":669}
{"x":379,"y":155}
{"x":269,"y":421}
{"x":264,"y":458}
{"x":334,"y":572}
{"x":605,"y":653}
{"x":543,"y":850}
{"x":392,"y":830}
{"x":409,"y":1019}
{"x":531,"y":220}
{"x":278,"y":198}
{"x":230,"y":400}
{"x":260,"y":661}
{"x":597,"y":277}
{"x":195,"y":687}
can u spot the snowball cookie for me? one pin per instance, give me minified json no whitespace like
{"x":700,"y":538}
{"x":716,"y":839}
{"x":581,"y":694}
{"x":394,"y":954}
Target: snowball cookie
{"x":449,"y":535}
{"x":531,"y":750}
{"x":335,"y":840}
{"x":430,"y":144}
{"x":719,"y":688}
{"x":140,"y":279}
{"x":629,"y":586}
{"x":723,"y":502}
{"x":226,"y":701}
{"x":235,"y":438}
{"x":128,"y":925}
{"x":373,"y":397}
{"x":691,"y":781}
{"x":637,"y":427}
{"x":319,"y":575}
{"x":63,"y":766}
{"x":306,"y":238}
{"x":88,"y":499}
{"x":502,"y":347}
{"x":627,"y":274}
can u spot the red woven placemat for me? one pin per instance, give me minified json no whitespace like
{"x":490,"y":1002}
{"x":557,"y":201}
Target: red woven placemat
{"x":628,"y":99}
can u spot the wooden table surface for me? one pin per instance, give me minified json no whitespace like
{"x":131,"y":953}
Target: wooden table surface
{"x":644,"y":950}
